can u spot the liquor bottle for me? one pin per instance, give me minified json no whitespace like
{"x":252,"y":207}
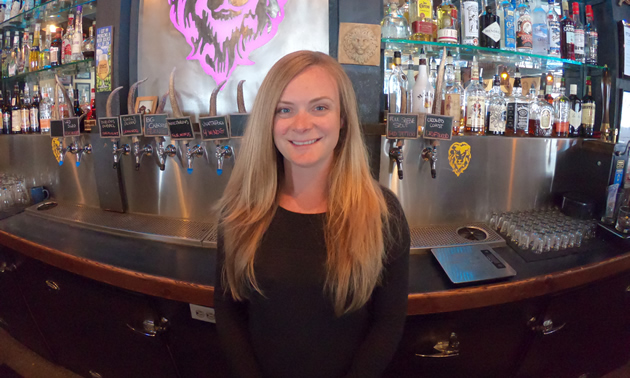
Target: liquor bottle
{"x":523,"y":20}
{"x":77,"y":36}
{"x":25,"y":55}
{"x":25,"y":111}
{"x":561,"y":107}
{"x":44,"y":53}
{"x":12,"y":65}
{"x":421,"y":92}
{"x":490,"y":30}
{"x":588,"y":111}
{"x":28,"y":5}
{"x":421,"y":19}
{"x":541,"y":31}
{"x":475,"y":99}
{"x":2,"y":104}
{"x":16,"y":114}
{"x":411,"y":81}
{"x":394,"y":25}
{"x":567,"y":47}
{"x":45,"y":111}
{"x":553,"y":28}
{"x":578,"y":34}
{"x":548,"y":95}
{"x":66,"y":44}
{"x":56,"y":49}
{"x":506,"y":17}
{"x":532,"y":95}
{"x":6,"y":115}
{"x":575,"y":112}
{"x":432,"y":79}
{"x":496,"y":108}
{"x":34,"y":58}
{"x":511,"y":118}
{"x":34,"y":111}
{"x":470,"y":22}
{"x":397,"y":87}
{"x":541,"y":116}
{"x":88,"y":45}
{"x":92,"y":112}
{"x":6,"y":53}
{"x":64,"y":112}
{"x":447,"y":22}
{"x":452,"y":94}
{"x":590,"y":37}
{"x":15,"y":8}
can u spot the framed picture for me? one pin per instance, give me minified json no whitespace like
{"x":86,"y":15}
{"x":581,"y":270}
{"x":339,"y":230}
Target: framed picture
{"x":65,"y":79}
{"x":84,"y":75}
{"x":146,"y":105}
{"x":624,"y":49}
{"x":84,"y":90}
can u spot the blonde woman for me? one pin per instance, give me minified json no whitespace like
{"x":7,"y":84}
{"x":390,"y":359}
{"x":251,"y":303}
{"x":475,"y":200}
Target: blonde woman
{"x":313,"y":254}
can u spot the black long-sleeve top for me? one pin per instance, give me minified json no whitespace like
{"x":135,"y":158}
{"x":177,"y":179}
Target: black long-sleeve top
{"x":293,"y":331}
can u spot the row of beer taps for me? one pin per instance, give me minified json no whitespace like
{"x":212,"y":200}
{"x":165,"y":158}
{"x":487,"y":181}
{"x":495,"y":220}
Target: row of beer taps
{"x":162,"y":151}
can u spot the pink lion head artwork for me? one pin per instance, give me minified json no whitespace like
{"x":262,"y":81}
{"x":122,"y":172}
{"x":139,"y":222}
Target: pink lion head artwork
{"x":222,"y":33}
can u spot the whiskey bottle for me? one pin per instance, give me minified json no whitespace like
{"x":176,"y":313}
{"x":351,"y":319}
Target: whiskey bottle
{"x":541,"y":117}
{"x":16,"y":115}
{"x":6,"y":115}
{"x":561,"y":107}
{"x":34,"y":111}
{"x":575,"y":112}
{"x":512,"y":100}
{"x":588,"y":111}
{"x":475,"y":99}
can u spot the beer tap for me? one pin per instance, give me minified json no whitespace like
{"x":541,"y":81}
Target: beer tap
{"x":191,"y":153}
{"x":76,"y":149}
{"x":118,"y":152}
{"x":164,"y":152}
{"x":396,"y":153}
{"x":62,"y":152}
{"x":138,"y":152}
{"x":430,"y":154}
{"x":222,"y":152}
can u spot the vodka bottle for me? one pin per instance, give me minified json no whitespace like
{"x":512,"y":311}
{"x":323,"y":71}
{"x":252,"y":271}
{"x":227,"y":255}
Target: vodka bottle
{"x":553,"y":28}
{"x":34,"y":111}
{"x":506,"y":18}
{"x":470,"y":22}
{"x":578,"y":34}
{"x":541,"y":31}
{"x":575,"y":112}
{"x":475,"y":99}
{"x":590,"y":37}
{"x":496,"y":109}
{"x":12,"y":65}
{"x":421,"y":92}
{"x":447,"y":22}
{"x":524,"y":37}
{"x":77,"y":36}
{"x":397,"y":87}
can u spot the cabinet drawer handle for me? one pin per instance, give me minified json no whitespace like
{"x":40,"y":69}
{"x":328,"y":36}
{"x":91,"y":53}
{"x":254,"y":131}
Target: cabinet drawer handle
{"x":150,"y":329}
{"x":444,"y":349}
{"x":52,"y":285}
{"x":546,"y":328}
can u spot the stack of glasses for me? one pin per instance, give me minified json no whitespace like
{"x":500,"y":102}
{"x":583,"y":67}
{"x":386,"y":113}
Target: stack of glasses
{"x":542,"y":231}
{"x":12,"y":192}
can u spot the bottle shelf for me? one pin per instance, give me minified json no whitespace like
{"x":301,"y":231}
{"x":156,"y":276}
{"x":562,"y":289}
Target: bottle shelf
{"x":55,"y":11}
{"x":528,"y":63}
{"x":64,"y":69}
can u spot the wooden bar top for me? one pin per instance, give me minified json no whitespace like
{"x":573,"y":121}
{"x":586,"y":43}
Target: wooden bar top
{"x":186,"y":274}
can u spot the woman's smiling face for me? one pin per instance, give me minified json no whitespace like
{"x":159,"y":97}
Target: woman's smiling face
{"x":308,"y":120}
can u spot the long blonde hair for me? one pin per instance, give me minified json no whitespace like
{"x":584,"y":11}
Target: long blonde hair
{"x":357,"y":225}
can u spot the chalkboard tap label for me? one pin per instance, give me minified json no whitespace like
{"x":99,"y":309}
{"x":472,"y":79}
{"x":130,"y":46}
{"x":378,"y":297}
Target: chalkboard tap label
{"x":402,"y":126}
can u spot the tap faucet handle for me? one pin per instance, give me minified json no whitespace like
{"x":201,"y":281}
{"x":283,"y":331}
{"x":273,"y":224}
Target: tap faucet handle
{"x":196,"y":151}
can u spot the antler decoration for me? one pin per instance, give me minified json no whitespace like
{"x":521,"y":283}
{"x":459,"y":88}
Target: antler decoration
{"x":213,"y":99}
{"x":108,"y":107}
{"x":131,"y":95}
{"x":160,"y":108}
{"x":173,"y":95}
{"x":239,"y":97}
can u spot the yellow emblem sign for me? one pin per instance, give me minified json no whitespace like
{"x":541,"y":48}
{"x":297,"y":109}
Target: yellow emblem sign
{"x":459,"y":157}
{"x":56,"y":144}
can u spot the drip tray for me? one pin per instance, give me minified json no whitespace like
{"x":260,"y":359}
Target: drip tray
{"x":424,"y":238}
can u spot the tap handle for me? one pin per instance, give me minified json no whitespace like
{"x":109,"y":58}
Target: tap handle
{"x":189,"y":170}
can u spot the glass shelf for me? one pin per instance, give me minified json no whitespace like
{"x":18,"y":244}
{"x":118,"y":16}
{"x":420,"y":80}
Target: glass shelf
{"x":51,"y":12}
{"x":529,"y":64}
{"x":64,"y":69}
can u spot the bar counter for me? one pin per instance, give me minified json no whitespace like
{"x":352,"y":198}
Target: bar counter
{"x":186,"y":274}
